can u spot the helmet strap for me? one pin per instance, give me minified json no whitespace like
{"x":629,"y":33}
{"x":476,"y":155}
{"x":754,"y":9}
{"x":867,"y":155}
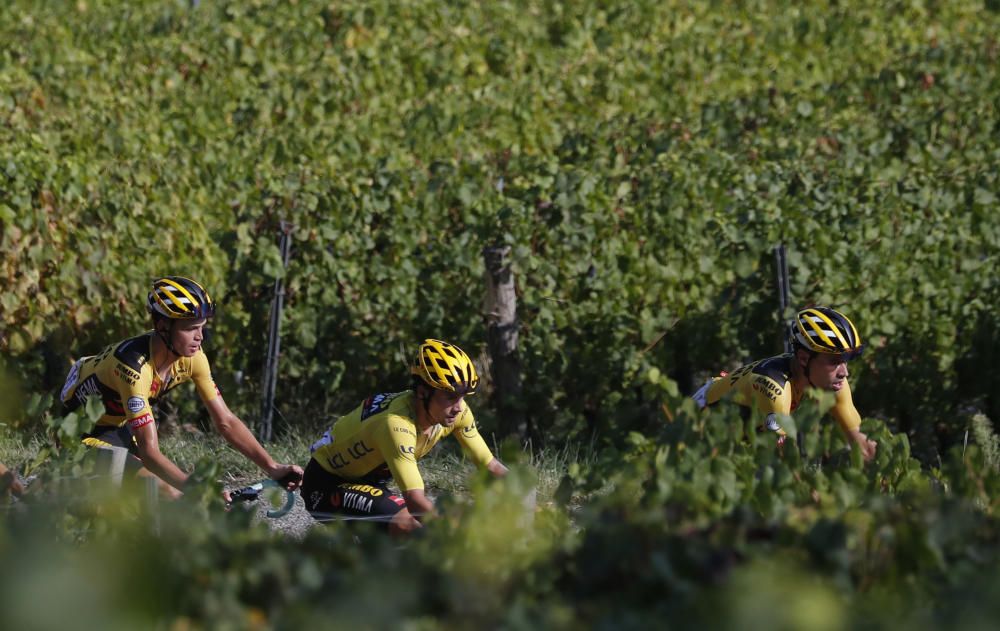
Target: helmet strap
{"x":167,"y":337}
{"x":418,"y":387}
{"x":805,"y":369}
{"x":812,"y":355}
{"x":426,"y":399}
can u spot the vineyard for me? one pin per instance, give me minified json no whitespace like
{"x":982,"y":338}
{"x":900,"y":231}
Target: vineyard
{"x":641,"y":160}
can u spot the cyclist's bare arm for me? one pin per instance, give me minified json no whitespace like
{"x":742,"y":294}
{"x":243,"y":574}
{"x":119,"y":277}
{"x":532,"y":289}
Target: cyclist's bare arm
{"x":404,"y":521}
{"x":497,"y":468}
{"x":236,"y":433}
{"x":153,"y":459}
{"x":847,"y":417}
{"x":868,"y":447}
{"x":418,"y":504}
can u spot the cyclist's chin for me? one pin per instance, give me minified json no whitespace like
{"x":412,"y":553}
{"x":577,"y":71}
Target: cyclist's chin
{"x":837,"y":386}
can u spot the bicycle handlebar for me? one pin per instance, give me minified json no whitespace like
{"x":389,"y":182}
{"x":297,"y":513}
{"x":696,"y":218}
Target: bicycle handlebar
{"x":252,"y":494}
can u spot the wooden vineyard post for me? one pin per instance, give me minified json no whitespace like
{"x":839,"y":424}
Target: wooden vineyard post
{"x":502,"y":333}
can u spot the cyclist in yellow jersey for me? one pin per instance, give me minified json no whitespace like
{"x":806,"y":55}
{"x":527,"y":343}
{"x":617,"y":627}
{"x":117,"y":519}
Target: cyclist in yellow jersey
{"x":383,"y":438}
{"x":133,"y":374}
{"x":823,"y":341}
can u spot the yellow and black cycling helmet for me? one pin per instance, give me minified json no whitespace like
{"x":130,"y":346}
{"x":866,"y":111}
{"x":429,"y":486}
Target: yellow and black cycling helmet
{"x":825,"y":330}
{"x":179,"y":298}
{"x":444,"y":366}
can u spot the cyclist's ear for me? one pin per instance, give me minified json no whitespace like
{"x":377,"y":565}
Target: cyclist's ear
{"x":802,"y":356}
{"x":424,"y":393}
{"x":162,"y":326}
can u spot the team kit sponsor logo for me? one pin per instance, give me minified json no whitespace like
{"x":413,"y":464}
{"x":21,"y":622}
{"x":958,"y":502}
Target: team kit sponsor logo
{"x":359,"y":450}
{"x":356,"y":451}
{"x":141,"y":421}
{"x":337,"y":460}
{"x":135,"y":404}
{"x":314,"y":499}
{"x":89,"y":387}
{"x":126,"y":374}
{"x":768,"y":388}
{"x":377,"y":403}
{"x":74,"y":374}
{"x":374,"y":491}
{"x":733,"y":378}
{"x":358,"y":502}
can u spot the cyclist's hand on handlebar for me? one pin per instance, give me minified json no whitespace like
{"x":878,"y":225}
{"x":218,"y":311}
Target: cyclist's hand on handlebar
{"x":288,"y":476}
{"x":867,"y":447}
{"x":245,"y":494}
{"x":868,"y":450}
{"x":253,"y":492}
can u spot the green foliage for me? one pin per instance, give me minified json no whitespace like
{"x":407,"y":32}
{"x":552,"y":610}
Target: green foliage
{"x":699,"y":525}
{"x":641,"y":159}
{"x":703,"y":523}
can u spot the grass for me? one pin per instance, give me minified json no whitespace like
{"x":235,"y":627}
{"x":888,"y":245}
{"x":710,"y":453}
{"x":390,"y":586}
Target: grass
{"x":982,"y":430}
{"x":18,"y":449}
{"x":445,"y":470}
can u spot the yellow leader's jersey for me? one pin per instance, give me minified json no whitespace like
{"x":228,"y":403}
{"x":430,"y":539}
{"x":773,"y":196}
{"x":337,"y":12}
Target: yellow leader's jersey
{"x":382,"y":432}
{"x":765,"y":386}
{"x":124,"y":377}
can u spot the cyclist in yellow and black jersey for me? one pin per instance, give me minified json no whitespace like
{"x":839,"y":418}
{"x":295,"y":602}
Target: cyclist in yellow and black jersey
{"x":383,"y":438}
{"x":131,"y":375}
{"x":823,"y":341}
{"x":125,"y":378}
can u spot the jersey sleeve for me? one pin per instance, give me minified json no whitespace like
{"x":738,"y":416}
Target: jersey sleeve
{"x":134,"y":386}
{"x":471,"y":440}
{"x":201,"y":374}
{"x":713,"y":390}
{"x":844,"y":412}
{"x":773,"y":401}
{"x":397,"y":440}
